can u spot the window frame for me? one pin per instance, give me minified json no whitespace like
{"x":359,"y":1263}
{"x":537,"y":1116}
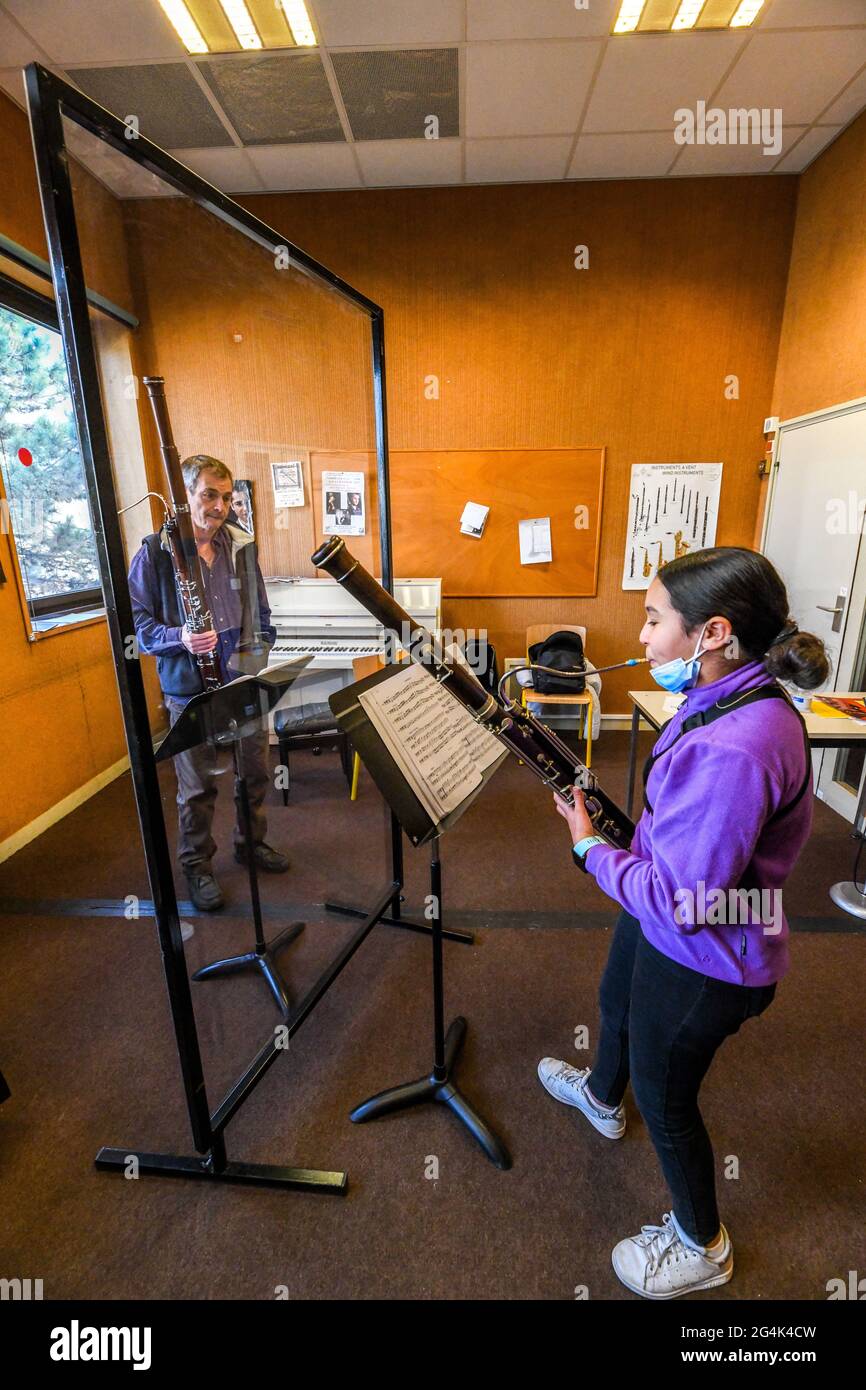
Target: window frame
{"x":51,"y":613}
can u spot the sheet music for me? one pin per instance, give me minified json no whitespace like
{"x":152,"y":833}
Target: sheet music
{"x":437,"y":745}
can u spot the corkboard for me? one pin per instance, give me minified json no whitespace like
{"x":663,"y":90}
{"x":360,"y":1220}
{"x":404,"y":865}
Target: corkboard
{"x":431,"y":487}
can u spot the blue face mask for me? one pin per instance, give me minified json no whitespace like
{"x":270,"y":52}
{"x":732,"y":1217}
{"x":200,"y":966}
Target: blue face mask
{"x":678,"y":675}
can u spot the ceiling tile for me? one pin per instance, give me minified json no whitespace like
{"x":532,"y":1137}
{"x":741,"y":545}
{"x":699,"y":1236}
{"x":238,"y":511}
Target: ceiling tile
{"x":848,"y":105}
{"x":348,"y":23}
{"x":811,"y":145}
{"x":390,"y":95}
{"x":285,"y":167}
{"x":795,"y":14}
{"x":172,"y":109}
{"x":646,"y":155}
{"x":229,"y":170}
{"x":98,"y":31}
{"x":538,"y":19}
{"x":527,"y":89}
{"x":270,"y":98}
{"x":644,"y":78}
{"x":409,"y":162}
{"x":783,"y":70}
{"x":525,"y":159}
{"x":733,"y":159}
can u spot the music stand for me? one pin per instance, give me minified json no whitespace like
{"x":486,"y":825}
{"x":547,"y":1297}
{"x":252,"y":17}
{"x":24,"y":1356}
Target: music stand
{"x":438,"y":1086}
{"x":227,"y":716}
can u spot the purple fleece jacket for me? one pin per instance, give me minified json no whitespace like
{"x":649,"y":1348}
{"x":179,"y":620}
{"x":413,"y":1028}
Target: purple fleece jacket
{"x":711,"y":796}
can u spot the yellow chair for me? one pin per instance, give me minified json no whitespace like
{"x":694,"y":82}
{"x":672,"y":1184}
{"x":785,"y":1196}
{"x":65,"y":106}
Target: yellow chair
{"x":362,"y":666}
{"x":536,"y":632}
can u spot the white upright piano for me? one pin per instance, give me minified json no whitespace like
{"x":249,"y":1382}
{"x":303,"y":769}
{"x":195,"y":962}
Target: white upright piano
{"x":319,"y":618}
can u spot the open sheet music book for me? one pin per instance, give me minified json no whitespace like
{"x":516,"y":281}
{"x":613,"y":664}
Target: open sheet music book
{"x":437,"y":745}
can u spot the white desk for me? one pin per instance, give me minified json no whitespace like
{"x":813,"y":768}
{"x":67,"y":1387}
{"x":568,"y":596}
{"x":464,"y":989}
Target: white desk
{"x":658,"y":706}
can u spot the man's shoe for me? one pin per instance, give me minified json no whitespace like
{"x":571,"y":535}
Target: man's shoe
{"x":660,"y":1264}
{"x":565,"y":1083}
{"x":205,"y":892}
{"x":266,"y":858}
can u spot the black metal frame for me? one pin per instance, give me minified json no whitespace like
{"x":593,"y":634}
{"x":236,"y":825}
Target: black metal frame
{"x":49,"y":98}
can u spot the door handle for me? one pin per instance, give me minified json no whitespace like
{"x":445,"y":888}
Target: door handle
{"x":837,"y":612}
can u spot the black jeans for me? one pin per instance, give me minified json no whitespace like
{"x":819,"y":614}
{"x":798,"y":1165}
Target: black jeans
{"x":661,"y":1024}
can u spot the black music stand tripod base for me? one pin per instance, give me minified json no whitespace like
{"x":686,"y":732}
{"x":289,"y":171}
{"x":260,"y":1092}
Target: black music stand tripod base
{"x":263,"y":957}
{"x":439,"y":1085}
{"x":442,"y":1090}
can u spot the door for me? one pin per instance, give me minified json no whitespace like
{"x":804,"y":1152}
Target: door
{"x":813,"y":535}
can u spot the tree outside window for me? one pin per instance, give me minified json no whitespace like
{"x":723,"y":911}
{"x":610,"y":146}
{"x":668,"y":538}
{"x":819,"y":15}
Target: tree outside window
{"x":47,"y":509}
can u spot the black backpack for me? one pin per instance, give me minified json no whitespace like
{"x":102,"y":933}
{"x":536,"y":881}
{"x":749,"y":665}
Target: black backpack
{"x":564,"y":652}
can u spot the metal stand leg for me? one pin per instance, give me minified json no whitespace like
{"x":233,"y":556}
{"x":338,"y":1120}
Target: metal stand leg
{"x":438,"y":1086}
{"x":263,"y":958}
{"x":848,"y":895}
{"x":632,"y":759}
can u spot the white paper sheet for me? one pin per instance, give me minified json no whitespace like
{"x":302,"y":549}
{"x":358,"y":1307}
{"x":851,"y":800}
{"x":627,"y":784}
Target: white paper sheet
{"x":535,"y":543}
{"x":473,"y":520}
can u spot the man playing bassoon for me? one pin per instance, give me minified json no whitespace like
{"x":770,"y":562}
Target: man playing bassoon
{"x":241,"y":639}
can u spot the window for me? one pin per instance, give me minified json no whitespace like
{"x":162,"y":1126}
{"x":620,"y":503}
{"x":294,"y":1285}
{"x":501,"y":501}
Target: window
{"x":45,"y":507}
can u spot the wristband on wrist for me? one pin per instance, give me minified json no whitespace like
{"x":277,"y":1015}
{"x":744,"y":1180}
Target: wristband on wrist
{"x":582,"y":848}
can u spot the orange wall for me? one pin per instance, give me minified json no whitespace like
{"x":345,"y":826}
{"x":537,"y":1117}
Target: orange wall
{"x":822,"y":352}
{"x":58,"y":698}
{"x":685,"y":286}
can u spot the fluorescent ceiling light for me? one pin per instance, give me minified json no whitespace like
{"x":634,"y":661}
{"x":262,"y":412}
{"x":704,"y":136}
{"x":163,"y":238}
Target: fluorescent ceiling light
{"x":300,"y":25}
{"x":241,"y":21}
{"x":629,"y":16}
{"x":686,"y":16}
{"x":184,"y":26}
{"x":745,"y":13}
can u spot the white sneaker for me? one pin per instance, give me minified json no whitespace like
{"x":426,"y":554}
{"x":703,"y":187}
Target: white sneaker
{"x":567,"y":1084}
{"x":659,"y":1264}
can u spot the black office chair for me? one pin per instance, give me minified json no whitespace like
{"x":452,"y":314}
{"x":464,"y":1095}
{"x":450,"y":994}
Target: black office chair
{"x":313,"y":727}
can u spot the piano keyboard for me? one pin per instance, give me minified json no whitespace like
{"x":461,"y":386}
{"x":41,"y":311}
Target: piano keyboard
{"x":324,"y":654}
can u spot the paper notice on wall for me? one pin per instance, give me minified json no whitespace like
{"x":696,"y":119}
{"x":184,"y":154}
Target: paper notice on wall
{"x":673,"y":511}
{"x":535,"y":543}
{"x":343,"y":504}
{"x":473,"y":520}
{"x":288,"y":483}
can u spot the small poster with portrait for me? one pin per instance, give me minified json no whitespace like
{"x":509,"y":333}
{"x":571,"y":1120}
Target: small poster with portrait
{"x":242,"y":503}
{"x":343,"y":504}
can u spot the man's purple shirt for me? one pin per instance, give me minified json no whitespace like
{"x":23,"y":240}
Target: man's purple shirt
{"x":711,"y":795}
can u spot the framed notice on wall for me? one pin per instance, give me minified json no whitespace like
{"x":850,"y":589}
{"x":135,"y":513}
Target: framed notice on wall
{"x":673,"y":510}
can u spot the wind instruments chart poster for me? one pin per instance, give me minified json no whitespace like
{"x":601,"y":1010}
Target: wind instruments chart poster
{"x":673,"y":509}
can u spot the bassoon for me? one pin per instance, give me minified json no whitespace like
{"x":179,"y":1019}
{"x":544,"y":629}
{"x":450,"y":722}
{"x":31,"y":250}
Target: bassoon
{"x":536,"y":745}
{"x":180,"y":534}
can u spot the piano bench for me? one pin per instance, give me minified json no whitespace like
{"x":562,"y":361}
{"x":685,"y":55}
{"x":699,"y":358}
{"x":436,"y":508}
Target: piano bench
{"x":315,"y":732}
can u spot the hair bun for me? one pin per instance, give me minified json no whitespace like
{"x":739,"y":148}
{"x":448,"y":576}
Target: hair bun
{"x":798,"y":657}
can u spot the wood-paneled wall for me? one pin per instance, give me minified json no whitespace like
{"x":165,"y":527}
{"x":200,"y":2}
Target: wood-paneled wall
{"x":822,"y":352}
{"x":685,"y":289}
